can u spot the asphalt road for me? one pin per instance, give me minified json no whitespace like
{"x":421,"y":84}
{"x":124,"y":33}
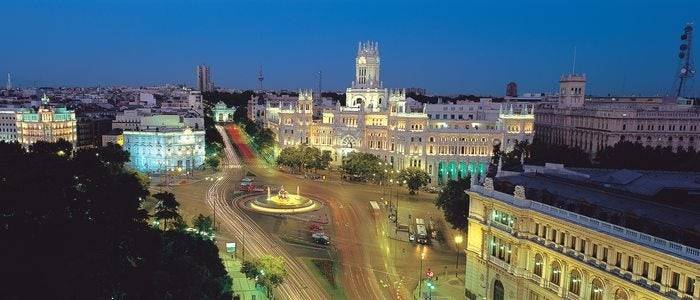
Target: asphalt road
{"x":299,"y":284}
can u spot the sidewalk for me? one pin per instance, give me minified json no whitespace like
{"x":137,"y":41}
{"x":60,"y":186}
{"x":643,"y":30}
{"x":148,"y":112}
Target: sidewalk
{"x":242,"y":286}
{"x":445,"y":288}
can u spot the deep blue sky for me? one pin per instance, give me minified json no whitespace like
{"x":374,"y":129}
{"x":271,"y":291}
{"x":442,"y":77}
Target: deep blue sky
{"x":443,"y":46}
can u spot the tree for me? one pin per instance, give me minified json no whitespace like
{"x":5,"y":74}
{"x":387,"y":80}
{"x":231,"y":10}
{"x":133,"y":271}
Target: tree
{"x":203,"y":224}
{"x":90,"y":205}
{"x":268,"y":270}
{"x":61,"y":148}
{"x":272,"y":271}
{"x":213,"y":162}
{"x":415,"y":179}
{"x":166,"y":209}
{"x":363,"y":166}
{"x":454,"y":202}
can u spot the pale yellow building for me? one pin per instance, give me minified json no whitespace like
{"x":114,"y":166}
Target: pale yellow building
{"x":523,"y":249}
{"x":47,"y":123}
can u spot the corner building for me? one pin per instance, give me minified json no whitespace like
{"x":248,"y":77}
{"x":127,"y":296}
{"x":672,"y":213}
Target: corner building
{"x":448,"y":141}
{"x":523,"y":249}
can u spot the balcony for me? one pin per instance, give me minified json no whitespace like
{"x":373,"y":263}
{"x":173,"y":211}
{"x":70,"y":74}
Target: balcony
{"x":572,"y":296}
{"x":504,"y":265}
{"x":553,"y":287}
{"x":503,"y":227}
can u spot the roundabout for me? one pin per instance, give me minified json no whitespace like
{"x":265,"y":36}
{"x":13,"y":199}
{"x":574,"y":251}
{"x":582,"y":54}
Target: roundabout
{"x":282,"y":203}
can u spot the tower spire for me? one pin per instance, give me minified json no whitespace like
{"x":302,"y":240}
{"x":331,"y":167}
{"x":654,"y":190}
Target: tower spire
{"x":9,"y":81}
{"x":260,"y":79}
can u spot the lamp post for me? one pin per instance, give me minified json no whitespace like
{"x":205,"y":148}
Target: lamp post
{"x":458,"y":241}
{"x":420,"y":274}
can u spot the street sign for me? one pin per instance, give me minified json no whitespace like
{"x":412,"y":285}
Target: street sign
{"x":429,"y":274}
{"x":230,"y":247}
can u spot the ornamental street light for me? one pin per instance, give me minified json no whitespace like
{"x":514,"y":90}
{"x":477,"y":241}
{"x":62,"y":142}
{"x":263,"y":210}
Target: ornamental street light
{"x":458,"y":241}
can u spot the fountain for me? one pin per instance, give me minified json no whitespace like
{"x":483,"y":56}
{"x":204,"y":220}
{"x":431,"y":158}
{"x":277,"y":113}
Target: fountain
{"x":283,"y":202}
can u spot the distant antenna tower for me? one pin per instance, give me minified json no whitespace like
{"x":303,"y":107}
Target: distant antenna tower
{"x":260,"y":79}
{"x":686,"y":70}
{"x":9,"y":81}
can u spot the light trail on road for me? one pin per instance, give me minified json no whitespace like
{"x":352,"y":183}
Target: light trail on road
{"x":299,"y":284}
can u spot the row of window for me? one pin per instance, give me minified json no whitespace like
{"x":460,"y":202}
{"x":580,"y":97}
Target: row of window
{"x":603,"y":253}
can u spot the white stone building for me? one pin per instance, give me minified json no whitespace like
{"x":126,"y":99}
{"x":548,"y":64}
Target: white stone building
{"x":591,"y":124}
{"x":448,"y":141}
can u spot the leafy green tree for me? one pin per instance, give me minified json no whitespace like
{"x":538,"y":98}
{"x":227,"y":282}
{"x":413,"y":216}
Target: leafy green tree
{"x":91,"y":205}
{"x":454,"y":202}
{"x":213,"y":162}
{"x":363,"y":166}
{"x":250,"y":269}
{"x":415,"y":179}
{"x":203,"y":224}
{"x":325,"y":160}
{"x":272,"y":271}
{"x":167,"y":208}
{"x":61,"y":148}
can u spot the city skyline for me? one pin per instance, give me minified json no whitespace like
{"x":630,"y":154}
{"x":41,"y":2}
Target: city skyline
{"x":478,"y":52}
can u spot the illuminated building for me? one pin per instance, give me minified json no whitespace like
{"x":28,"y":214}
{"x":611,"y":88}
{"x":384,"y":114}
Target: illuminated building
{"x":448,"y":141}
{"x":594,"y":123}
{"x":46,"y":124}
{"x":222,"y":113}
{"x":525,"y":249}
{"x":8,"y":125}
{"x":164,"y":143}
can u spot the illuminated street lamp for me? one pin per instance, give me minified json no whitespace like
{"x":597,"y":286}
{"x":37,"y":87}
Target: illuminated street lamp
{"x":458,"y":241}
{"x":420,"y":274}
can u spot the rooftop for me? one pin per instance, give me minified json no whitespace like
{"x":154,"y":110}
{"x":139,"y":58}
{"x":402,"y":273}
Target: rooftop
{"x":661,"y":204}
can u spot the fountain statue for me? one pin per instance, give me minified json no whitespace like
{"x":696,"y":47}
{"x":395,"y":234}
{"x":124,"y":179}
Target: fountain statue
{"x":283,"y":202}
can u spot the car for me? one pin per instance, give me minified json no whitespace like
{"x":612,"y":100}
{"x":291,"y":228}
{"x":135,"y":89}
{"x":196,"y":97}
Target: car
{"x":321,"y":238}
{"x":247,"y":179}
{"x":411,"y":237}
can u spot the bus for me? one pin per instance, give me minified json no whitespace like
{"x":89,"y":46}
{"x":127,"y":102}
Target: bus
{"x":421,"y":232}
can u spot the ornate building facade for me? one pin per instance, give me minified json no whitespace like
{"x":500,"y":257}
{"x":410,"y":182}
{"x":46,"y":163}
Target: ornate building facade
{"x":165,"y":143}
{"x":592,"y":124}
{"x":46,"y":123}
{"x":448,"y":141}
{"x":523,"y":249}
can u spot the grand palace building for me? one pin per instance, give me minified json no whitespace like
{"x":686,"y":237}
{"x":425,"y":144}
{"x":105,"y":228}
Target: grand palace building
{"x":607,"y":236}
{"x":448,"y":141}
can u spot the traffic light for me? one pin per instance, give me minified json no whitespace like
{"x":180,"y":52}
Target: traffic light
{"x":430,"y":285}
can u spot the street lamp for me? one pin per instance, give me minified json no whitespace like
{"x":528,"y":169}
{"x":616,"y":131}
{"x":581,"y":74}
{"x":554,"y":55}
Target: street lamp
{"x":420,"y":274}
{"x":458,"y":241}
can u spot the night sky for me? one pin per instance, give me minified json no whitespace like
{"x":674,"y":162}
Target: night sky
{"x":625,"y":47}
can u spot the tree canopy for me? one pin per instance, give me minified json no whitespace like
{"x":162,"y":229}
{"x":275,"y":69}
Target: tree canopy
{"x":73,"y":227}
{"x":269,"y":271}
{"x":303,"y":157}
{"x":415,"y":178}
{"x":363,"y":166}
{"x":454,"y":202}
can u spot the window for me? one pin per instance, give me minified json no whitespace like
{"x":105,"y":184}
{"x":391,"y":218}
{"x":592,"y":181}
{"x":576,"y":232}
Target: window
{"x":690,"y":286}
{"x":630,"y":263}
{"x":658,"y":274}
{"x":618,"y":260}
{"x":605,"y":254}
{"x":554,"y":235}
{"x":675,"y":279}
{"x":538,"y":265}
{"x":555,"y":275}
{"x":595,"y":251}
{"x":582,"y":247}
{"x":562,"y":238}
{"x":645,"y":269}
{"x":596,"y":290}
{"x":575,"y":282}
{"x":572,"y":244}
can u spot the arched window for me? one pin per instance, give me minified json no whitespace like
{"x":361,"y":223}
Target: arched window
{"x":620,"y":294}
{"x":596,"y":290}
{"x":575,"y":282}
{"x":498,"y":290}
{"x":555,"y":274}
{"x":538,"y":265}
